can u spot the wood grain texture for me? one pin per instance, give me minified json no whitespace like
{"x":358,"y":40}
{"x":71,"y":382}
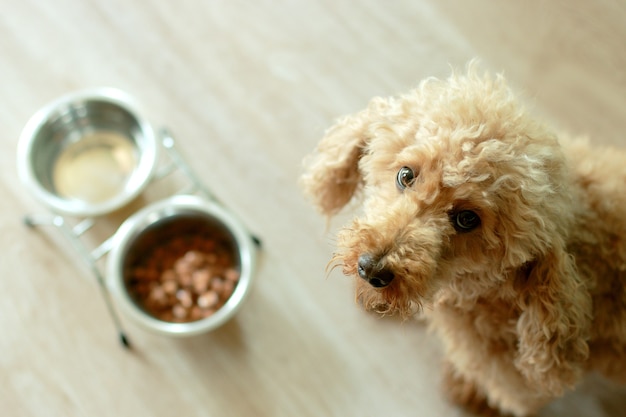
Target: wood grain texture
{"x":248,"y":89}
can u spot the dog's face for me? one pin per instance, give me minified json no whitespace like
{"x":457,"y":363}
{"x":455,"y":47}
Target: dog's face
{"x":460,"y":187}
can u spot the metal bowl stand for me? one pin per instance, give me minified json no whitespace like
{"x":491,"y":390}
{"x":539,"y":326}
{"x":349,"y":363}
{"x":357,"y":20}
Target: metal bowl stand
{"x":74,"y":234}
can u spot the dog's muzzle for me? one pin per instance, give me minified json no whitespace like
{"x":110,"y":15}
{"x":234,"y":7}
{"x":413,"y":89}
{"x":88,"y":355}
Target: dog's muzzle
{"x":370,"y":270}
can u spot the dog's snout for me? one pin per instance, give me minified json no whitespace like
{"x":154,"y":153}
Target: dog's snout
{"x":366,"y":265}
{"x":381,"y":279}
{"x":370,"y":270}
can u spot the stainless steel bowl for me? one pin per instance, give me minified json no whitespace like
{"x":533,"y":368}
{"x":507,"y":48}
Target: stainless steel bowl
{"x":87,"y":153}
{"x":160,"y":222}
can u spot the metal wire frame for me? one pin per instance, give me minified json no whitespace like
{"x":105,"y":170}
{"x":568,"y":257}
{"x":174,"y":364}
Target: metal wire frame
{"x":91,"y":256}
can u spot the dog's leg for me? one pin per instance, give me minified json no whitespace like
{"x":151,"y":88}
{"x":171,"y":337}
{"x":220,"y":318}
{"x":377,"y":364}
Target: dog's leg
{"x":481,"y":374}
{"x":461,"y":390}
{"x":466,"y":393}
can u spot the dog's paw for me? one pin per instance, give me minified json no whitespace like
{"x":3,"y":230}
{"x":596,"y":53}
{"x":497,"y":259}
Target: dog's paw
{"x":465,"y":393}
{"x":549,"y":378}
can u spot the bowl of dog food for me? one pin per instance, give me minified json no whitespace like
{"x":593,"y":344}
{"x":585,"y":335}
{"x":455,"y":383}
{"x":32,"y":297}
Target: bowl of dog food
{"x":181,"y":266}
{"x":87,"y":153}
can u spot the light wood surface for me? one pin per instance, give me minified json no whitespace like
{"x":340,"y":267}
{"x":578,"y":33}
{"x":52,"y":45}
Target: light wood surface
{"x":248,"y":89}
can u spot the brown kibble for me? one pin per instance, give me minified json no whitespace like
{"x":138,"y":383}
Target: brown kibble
{"x":160,"y":253}
{"x":211,"y":259}
{"x":195,"y":313}
{"x":208,"y":299}
{"x":141,"y":288}
{"x":182,"y":267}
{"x":217,"y":285}
{"x":166,"y":315}
{"x":227,"y":290}
{"x":201,"y":279}
{"x":158,"y":295}
{"x":231,"y":274}
{"x":144,"y":274}
{"x":177,"y":244}
{"x":207,"y":245}
{"x":168,"y":275}
{"x":170,"y":287}
{"x":179,"y":311}
{"x":186,"y":278}
{"x":194,"y":258}
{"x":184,"y":297}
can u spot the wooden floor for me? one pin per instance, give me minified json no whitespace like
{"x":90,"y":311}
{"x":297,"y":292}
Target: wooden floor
{"x":248,"y":89}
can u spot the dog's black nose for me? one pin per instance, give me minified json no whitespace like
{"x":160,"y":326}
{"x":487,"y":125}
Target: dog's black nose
{"x":370,"y":270}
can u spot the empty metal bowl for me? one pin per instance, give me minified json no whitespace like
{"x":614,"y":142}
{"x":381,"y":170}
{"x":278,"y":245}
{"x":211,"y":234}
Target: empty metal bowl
{"x":139,"y":253}
{"x":87,"y":153}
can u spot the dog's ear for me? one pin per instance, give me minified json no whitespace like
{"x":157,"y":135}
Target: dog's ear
{"x":554,"y":326}
{"x":331,"y":173}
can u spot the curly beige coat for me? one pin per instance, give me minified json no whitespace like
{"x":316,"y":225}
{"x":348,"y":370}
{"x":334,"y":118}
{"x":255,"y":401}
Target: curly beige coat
{"x":511,"y":240}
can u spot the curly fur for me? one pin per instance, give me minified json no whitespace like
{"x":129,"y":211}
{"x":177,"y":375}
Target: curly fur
{"x":533,"y":297}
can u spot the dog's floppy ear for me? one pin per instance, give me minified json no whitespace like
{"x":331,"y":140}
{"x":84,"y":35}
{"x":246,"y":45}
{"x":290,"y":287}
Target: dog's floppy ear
{"x":554,"y":326}
{"x":331,"y":174}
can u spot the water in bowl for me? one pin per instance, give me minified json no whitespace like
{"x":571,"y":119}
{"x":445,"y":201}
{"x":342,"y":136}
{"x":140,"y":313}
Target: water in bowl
{"x":95,"y":168}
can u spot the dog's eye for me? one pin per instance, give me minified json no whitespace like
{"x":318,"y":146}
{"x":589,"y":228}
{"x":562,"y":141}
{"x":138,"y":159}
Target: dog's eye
{"x":465,"y":220}
{"x":405,"y":178}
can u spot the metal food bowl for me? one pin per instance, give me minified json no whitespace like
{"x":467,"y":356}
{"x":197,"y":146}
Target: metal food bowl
{"x":180,"y":216}
{"x":87,"y":153}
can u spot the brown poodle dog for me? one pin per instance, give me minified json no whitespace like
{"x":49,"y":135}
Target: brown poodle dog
{"x":510,"y":240}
